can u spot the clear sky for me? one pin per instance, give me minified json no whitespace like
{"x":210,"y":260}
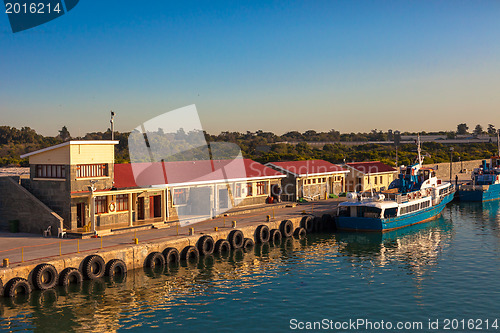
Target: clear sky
{"x":248,"y":65}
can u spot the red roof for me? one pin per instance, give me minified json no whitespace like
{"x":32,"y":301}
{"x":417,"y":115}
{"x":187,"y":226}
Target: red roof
{"x":309,"y":167}
{"x":371,"y":167}
{"x":180,"y":172}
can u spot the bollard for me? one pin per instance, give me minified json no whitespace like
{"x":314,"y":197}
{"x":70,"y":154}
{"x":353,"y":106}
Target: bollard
{"x":6,"y":262}
{"x":233,"y":224}
{"x":77,"y":246}
{"x":22,"y":254}
{"x":101,"y":242}
{"x":191,"y":231}
{"x":136,"y":241}
{"x":268,"y":218}
{"x":273,"y":213}
{"x":216,"y":229}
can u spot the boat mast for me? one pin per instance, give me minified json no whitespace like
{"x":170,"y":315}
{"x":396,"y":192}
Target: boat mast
{"x":419,"y":150}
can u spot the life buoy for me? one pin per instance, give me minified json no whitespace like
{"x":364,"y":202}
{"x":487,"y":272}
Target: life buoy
{"x":419,"y":195}
{"x":112,"y":207}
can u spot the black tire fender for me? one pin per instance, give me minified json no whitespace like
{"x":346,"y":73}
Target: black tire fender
{"x":190,"y":254}
{"x":299,"y":233}
{"x":93,"y":267}
{"x":276,"y":236}
{"x":154,"y":260}
{"x":44,"y":277}
{"x":17,"y":286}
{"x":236,"y":238}
{"x":262,"y":234}
{"x":248,"y":244}
{"x":286,"y":228}
{"x":307,"y":223}
{"x":116,"y":267}
{"x":205,"y":245}
{"x":222,"y":246}
{"x":171,"y":255}
{"x":70,"y":275}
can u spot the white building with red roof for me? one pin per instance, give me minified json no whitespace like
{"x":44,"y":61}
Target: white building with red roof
{"x":311,"y":179}
{"x":80,"y":182}
{"x":365,"y":176}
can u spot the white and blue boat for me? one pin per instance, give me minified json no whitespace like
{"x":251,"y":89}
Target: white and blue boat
{"x":485,"y":184}
{"x":415,"y":197}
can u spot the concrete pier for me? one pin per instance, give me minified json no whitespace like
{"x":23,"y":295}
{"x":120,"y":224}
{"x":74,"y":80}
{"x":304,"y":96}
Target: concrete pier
{"x":134,"y":255}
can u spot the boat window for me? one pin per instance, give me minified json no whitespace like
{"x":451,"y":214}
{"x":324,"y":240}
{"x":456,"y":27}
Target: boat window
{"x":391,"y":212}
{"x":372,"y":212}
{"x":344,"y":211}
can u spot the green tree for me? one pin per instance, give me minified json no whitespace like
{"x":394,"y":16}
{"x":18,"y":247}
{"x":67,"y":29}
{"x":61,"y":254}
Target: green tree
{"x":491,"y":129}
{"x":64,"y":134}
{"x":478,"y":130}
{"x":462,"y":129}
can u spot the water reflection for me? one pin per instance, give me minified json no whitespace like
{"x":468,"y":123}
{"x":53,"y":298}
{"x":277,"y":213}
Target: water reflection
{"x":415,"y":249}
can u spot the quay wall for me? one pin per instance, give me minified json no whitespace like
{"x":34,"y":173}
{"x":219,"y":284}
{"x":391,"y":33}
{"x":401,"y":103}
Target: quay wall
{"x":16,"y":203}
{"x":443,"y":169}
{"x":133,"y":255}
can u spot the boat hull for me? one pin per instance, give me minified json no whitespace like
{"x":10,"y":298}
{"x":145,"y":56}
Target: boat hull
{"x":378,"y":225}
{"x":493,"y":193}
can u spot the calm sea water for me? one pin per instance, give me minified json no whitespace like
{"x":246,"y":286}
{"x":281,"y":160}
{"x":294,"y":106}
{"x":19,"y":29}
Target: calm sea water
{"x":446,"y":269}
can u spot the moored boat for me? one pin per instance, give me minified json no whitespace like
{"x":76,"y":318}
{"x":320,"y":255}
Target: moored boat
{"x":485,"y":183}
{"x":415,"y":197}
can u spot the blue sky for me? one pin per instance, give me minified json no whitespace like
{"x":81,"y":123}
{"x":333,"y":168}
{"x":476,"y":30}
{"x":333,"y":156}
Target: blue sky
{"x":248,"y":65}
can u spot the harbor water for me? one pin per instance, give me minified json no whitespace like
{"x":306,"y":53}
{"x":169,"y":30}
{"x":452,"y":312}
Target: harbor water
{"x":444,"y":272}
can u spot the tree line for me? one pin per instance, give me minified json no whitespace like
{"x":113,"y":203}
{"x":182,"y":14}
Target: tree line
{"x":266,"y":146}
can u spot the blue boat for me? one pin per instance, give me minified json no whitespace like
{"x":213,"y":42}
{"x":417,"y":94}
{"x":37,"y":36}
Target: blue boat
{"x":415,"y":197}
{"x":485,"y":184}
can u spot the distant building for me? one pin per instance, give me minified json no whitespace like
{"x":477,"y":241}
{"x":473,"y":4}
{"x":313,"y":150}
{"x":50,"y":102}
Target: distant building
{"x":374,"y":175}
{"x":312,"y":179}
{"x":62,"y":176}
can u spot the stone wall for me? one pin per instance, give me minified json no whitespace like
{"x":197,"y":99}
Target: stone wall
{"x":443,"y":169}
{"x":16,"y":203}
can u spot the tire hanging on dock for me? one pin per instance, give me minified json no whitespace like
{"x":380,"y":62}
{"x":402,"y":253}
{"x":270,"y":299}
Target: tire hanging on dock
{"x":236,"y":239}
{"x":69,"y":276}
{"x":116,"y":268}
{"x":154,"y":260}
{"x":93,"y":267}
{"x":262,"y":234}
{"x":222,"y":247}
{"x":299,"y":233}
{"x":44,"y":277}
{"x":172,"y":256}
{"x":307,"y":223}
{"x":286,"y":228}
{"x":1,"y":287}
{"x":248,"y":244}
{"x":205,"y":245}
{"x":317,"y":224}
{"x":328,"y":223}
{"x":17,"y":286}
{"x":190,"y":254}
{"x":276,"y":237}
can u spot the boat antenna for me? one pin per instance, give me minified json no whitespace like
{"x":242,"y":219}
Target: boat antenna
{"x":419,"y":150}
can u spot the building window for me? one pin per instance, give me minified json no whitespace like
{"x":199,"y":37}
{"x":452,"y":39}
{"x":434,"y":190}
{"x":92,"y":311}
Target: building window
{"x":50,"y":171}
{"x":380,"y":179}
{"x":323,"y":180}
{"x":249,"y":189}
{"x":238,"y":190}
{"x":121,"y":202}
{"x":261,"y":188}
{"x":91,"y":170}
{"x":375,"y":178}
{"x":180,"y":196}
{"x":101,"y":205}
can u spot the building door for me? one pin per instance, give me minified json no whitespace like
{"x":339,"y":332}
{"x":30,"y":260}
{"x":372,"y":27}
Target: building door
{"x":80,"y":215}
{"x":155,"y":206}
{"x":140,"y":208}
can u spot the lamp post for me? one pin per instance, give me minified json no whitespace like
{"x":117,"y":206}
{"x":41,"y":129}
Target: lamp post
{"x":451,"y":161}
{"x":92,"y":189}
{"x":112,"y":122}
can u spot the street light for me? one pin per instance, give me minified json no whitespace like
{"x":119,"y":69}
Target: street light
{"x":451,"y":161}
{"x":92,"y":189}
